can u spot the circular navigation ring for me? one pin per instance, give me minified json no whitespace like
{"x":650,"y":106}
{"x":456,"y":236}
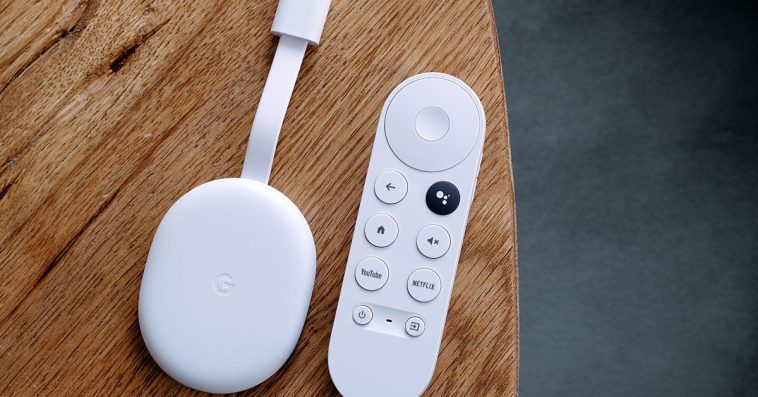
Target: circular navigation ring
{"x":432,"y":124}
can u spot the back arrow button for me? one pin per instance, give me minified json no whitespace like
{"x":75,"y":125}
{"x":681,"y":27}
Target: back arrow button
{"x":390,"y":187}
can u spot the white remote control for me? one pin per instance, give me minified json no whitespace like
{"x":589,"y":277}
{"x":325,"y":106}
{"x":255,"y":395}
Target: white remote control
{"x":407,"y":240}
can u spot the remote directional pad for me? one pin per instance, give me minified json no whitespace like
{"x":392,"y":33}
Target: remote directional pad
{"x":432,"y":124}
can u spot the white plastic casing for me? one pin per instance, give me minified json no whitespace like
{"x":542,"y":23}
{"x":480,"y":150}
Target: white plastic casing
{"x":227,"y":285}
{"x":303,"y":19}
{"x":381,"y":358}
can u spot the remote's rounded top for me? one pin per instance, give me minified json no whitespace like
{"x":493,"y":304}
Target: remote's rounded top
{"x":432,"y":122}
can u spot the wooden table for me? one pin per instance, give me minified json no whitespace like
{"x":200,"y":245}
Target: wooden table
{"x":111,"y":110}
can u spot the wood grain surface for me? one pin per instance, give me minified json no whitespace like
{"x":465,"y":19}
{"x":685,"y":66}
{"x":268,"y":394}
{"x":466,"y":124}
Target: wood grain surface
{"x":111,"y":110}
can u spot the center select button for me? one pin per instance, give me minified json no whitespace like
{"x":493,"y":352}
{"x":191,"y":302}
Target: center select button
{"x":371,"y":273}
{"x":432,"y":123}
{"x":381,"y":230}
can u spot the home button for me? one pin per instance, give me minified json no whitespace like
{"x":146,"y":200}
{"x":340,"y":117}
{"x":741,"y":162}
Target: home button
{"x":381,"y":230}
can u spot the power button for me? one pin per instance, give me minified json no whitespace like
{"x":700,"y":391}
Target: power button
{"x":362,"y":315}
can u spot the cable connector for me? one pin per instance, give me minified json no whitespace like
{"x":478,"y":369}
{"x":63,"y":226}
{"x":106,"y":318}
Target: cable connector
{"x":304,"y":19}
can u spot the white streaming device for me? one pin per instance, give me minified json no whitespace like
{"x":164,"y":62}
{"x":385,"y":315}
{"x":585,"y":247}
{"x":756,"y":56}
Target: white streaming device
{"x":407,"y":240}
{"x":229,"y":276}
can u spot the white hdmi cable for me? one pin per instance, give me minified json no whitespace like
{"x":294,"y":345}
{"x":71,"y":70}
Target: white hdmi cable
{"x":297,"y":23}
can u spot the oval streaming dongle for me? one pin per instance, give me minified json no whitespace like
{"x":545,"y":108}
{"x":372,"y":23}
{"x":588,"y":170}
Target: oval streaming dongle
{"x":227,"y":285}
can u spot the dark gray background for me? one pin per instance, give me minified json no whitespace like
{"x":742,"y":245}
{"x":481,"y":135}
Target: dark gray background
{"x":634,"y":129}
